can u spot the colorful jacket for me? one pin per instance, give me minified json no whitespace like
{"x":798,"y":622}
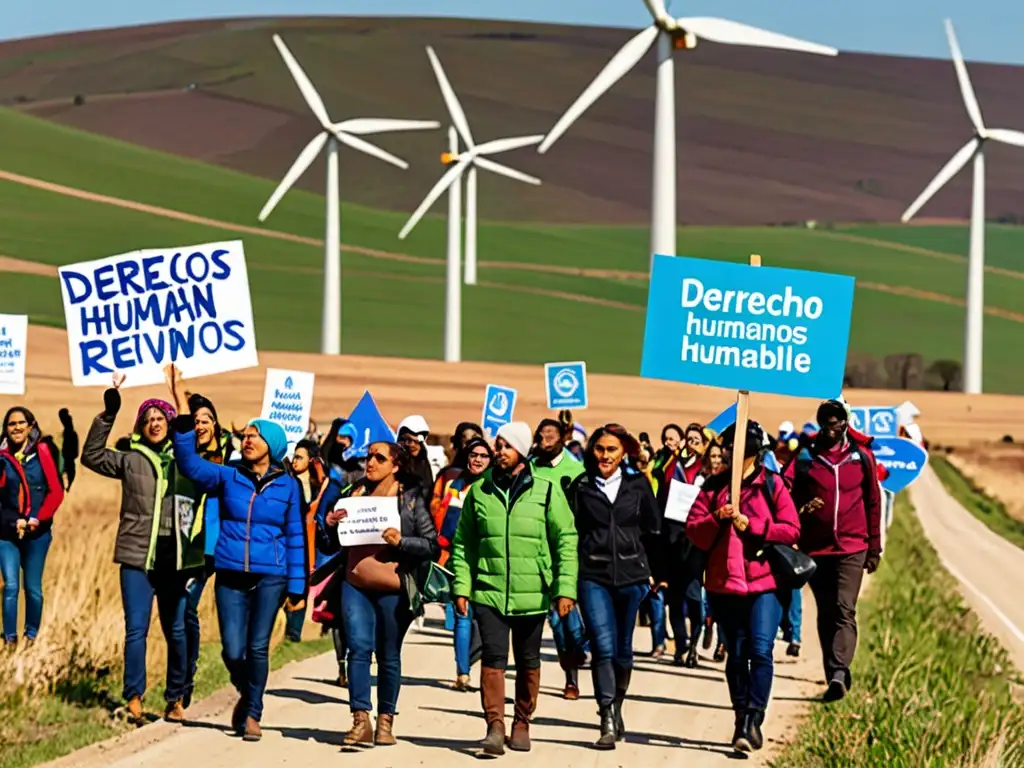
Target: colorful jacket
{"x":30,"y":489}
{"x":450,"y":491}
{"x":262,"y":529}
{"x":566,"y":469}
{"x":736,"y":564}
{"x":515,"y":547}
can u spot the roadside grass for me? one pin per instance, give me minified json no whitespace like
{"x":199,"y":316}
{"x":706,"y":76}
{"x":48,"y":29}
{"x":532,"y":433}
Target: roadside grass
{"x":931,"y":688}
{"x":987,"y":509}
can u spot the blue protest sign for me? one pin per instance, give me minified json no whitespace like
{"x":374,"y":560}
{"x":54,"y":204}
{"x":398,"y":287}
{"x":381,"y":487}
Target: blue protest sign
{"x":499,"y":405}
{"x":761,"y":329}
{"x":370,"y":426}
{"x":724,"y":419}
{"x":566,"y":385}
{"x":904,"y":459}
{"x":875,"y":420}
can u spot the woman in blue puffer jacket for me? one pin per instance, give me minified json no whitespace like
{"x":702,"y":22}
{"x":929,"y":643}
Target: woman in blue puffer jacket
{"x":260,"y":557}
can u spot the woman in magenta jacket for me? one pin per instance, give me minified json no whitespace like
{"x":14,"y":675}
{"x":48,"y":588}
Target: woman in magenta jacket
{"x":739,"y":581}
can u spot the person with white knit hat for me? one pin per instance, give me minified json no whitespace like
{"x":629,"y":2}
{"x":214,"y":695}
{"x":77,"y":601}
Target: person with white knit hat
{"x":514,"y":556}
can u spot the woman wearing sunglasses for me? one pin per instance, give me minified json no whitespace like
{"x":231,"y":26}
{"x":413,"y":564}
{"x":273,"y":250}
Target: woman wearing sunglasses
{"x":379,"y":596}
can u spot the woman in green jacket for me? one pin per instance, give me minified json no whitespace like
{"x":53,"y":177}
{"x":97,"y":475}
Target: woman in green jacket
{"x":514,"y":556}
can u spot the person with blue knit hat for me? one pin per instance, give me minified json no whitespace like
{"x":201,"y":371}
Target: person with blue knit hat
{"x":261,"y":554}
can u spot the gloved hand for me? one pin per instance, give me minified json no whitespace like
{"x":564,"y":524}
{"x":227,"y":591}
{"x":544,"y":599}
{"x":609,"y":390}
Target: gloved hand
{"x":111,"y":402}
{"x":872,"y":561}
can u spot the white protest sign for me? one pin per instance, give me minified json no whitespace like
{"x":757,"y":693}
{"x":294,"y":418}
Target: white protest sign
{"x":368,"y":517}
{"x":138,"y":311}
{"x":13,"y":349}
{"x":680,"y":499}
{"x":288,"y":401}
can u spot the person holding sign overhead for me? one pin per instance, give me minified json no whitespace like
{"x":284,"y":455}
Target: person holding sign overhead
{"x":260,"y":556}
{"x":619,"y":525}
{"x":385,"y":531}
{"x":740,"y":581}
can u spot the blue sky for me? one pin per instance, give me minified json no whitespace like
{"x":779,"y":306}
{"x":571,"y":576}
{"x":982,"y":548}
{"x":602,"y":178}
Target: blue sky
{"x":989,"y":30}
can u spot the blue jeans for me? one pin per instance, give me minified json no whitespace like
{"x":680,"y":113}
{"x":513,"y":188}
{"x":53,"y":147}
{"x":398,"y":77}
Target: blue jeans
{"x":462,"y":627}
{"x":28,"y":555}
{"x":657,"y":606}
{"x":375,"y":622}
{"x":570,"y":638}
{"x":293,"y":623}
{"x":793,"y":617}
{"x":609,"y":614}
{"x":138,"y":588}
{"x":247,"y":605}
{"x":681,"y":608}
{"x":749,"y":624}
{"x":193,"y":633}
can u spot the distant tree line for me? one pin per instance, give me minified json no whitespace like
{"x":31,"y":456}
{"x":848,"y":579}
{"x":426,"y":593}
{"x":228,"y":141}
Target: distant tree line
{"x":905,"y":370}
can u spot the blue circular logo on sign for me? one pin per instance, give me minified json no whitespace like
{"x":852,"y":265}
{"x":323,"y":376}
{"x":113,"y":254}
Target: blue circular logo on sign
{"x":499,"y":404}
{"x":566,"y":383}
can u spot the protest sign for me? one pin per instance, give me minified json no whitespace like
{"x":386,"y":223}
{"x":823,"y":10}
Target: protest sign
{"x":13,"y":351}
{"x":138,"y":311}
{"x":499,"y":405}
{"x":370,"y":426}
{"x":779,"y":331}
{"x":875,"y":420}
{"x":566,"y":385}
{"x":368,"y":517}
{"x":904,"y":459}
{"x":288,"y":401}
{"x":681,"y":497}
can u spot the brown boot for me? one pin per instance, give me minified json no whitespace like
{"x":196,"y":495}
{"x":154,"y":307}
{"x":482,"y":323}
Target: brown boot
{"x":238,"y":715}
{"x":253,"y":732}
{"x":174,"y":712}
{"x":361,"y":733}
{"x":135,"y":716}
{"x":527,"y":691}
{"x":384,"y":736}
{"x":492,"y":699}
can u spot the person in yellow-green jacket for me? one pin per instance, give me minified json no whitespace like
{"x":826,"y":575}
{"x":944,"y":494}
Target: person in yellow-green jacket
{"x":159,"y":543}
{"x":514,"y":555}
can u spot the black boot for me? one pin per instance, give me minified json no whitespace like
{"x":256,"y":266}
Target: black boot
{"x":738,"y":731}
{"x":608,"y":728}
{"x":691,"y":657}
{"x":756,"y":718}
{"x":741,"y":741}
{"x":622,"y":678}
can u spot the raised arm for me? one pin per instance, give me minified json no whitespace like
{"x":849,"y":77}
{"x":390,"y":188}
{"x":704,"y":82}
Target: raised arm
{"x":95,"y":454}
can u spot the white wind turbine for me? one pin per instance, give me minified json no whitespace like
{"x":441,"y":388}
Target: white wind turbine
{"x":670,"y":34}
{"x":346,"y":132}
{"x":459,"y":163}
{"x":973,"y":149}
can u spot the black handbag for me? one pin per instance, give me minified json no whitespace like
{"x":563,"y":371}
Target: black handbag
{"x":791,"y":568}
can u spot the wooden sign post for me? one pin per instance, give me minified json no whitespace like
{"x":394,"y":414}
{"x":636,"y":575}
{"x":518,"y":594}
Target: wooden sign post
{"x":739,"y":445}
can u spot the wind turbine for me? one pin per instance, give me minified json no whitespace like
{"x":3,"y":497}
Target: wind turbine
{"x":973,"y":149}
{"x":670,"y":34}
{"x":459,"y":163}
{"x":331,"y":134}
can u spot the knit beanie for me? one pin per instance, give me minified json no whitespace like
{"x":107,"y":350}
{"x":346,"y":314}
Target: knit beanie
{"x":166,"y":408}
{"x":274,"y":436}
{"x":518,"y":435}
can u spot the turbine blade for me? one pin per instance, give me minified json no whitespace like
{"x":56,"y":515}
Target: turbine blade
{"x":614,"y":70}
{"x":966,"y":89}
{"x":450,"y":99}
{"x":364,"y":126}
{"x":438,"y":189}
{"x":506,"y":145}
{"x":504,"y":170}
{"x":302,"y":162}
{"x":949,"y":170}
{"x":1006,"y":136}
{"x":734,"y":33}
{"x":306,"y":88}
{"x":657,"y":9}
{"x":370,"y":149}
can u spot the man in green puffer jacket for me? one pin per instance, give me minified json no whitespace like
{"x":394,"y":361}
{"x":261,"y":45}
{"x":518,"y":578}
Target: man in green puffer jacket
{"x":514,"y":554}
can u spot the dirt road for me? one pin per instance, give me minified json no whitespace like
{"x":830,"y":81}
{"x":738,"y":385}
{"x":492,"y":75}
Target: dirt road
{"x":674,"y":716}
{"x":987,"y":566}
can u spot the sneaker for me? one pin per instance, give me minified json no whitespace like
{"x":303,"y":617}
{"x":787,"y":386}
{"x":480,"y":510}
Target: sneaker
{"x":836,"y":690}
{"x":461,"y":684}
{"x":658,"y":652}
{"x":793,"y":649}
{"x":719,"y":653}
{"x":174,"y":712}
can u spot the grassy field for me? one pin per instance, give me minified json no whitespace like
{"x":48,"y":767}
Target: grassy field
{"x":508,"y":317}
{"x":987,"y":509}
{"x":931,"y":688}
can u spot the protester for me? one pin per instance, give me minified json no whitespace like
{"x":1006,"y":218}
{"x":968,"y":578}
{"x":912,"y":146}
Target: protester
{"x":309,"y":469}
{"x":620,"y":557}
{"x":412,"y":435}
{"x":159,"y":543}
{"x":31,"y":491}
{"x":714,"y":462}
{"x":787,"y":448}
{"x":336,"y":450}
{"x":742,"y":588}
{"x":471,"y":465}
{"x":313,"y":433}
{"x":380,"y":594}
{"x":835,"y":487}
{"x":515,"y":554}
{"x":69,"y":448}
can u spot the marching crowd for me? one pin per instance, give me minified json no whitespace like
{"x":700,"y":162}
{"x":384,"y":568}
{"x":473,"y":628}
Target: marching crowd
{"x":590,"y":534}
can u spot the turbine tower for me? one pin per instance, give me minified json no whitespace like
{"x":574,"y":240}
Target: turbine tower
{"x":972,"y":150}
{"x":331,"y":134}
{"x":670,"y":35}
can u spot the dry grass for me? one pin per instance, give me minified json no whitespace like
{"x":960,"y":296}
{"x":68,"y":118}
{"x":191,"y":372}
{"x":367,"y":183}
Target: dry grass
{"x":997,"y":470}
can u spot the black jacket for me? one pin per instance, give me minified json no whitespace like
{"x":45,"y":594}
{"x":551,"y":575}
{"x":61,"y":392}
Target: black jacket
{"x":620,"y":543}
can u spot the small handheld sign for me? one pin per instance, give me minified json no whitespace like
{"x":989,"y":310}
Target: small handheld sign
{"x":499,"y":405}
{"x":904,"y":459}
{"x":566,"y":385}
{"x":13,"y":348}
{"x":288,"y":401}
{"x":875,"y":420}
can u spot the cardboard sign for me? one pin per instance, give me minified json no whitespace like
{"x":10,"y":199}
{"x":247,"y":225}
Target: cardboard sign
{"x":288,"y":401}
{"x":875,"y":420}
{"x":368,"y":517}
{"x":138,"y":311}
{"x":13,"y":351}
{"x":904,"y":459}
{"x":680,"y":499}
{"x":754,"y":329}
{"x":566,"y":385}
{"x":370,"y":426}
{"x":499,"y":405}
